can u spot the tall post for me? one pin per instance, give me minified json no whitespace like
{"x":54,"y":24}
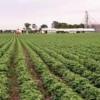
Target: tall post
{"x":86,"y":24}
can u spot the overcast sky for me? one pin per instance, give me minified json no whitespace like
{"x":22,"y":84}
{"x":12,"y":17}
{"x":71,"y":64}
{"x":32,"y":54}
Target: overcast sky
{"x":14,"y":13}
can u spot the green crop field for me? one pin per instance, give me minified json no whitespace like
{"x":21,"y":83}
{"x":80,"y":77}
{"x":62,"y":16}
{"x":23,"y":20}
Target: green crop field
{"x":50,"y":67}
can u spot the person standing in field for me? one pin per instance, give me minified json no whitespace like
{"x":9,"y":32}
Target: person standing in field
{"x":18,"y":31}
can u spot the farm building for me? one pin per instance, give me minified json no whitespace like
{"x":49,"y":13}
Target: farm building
{"x":71,"y":30}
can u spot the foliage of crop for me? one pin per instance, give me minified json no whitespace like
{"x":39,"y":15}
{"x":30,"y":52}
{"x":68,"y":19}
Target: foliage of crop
{"x":68,"y":65}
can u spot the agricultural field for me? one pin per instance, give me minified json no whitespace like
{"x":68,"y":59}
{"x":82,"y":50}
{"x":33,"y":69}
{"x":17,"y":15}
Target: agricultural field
{"x":50,"y":67}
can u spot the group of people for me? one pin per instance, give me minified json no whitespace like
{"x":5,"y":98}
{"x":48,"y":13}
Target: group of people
{"x":18,"y":31}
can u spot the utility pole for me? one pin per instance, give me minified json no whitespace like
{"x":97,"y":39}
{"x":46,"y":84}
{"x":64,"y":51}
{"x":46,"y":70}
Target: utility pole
{"x":86,"y":24}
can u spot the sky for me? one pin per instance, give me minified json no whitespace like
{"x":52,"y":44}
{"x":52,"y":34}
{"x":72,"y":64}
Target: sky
{"x":14,"y":13}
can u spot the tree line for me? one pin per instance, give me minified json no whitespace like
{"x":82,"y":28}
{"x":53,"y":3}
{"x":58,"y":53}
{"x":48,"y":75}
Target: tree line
{"x":57,"y":24}
{"x":30,"y":28}
{"x":33,"y":28}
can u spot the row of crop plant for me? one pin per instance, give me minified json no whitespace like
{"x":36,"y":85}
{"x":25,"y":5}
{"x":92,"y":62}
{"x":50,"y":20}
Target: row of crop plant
{"x":75,"y":66}
{"x":4,"y":70}
{"x":79,"y":84}
{"x":55,"y":86}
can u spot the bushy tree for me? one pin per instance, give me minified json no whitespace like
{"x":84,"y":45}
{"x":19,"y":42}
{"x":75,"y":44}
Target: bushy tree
{"x":27,"y":26}
{"x":44,"y":26}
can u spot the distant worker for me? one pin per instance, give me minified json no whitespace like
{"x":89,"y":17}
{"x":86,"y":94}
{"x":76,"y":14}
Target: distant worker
{"x":18,"y":31}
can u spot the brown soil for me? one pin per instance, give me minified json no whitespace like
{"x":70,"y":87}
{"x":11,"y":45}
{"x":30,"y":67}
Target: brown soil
{"x":36,"y":76}
{"x":14,"y":88}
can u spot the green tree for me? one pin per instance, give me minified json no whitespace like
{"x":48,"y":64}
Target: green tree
{"x":82,"y":25}
{"x":44,"y":26}
{"x":55,"y":24}
{"x":27,"y":26}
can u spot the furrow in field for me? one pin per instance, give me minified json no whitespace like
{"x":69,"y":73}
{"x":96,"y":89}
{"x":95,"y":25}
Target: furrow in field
{"x":54,"y":85}
{"x":87,"y":62}
{"x":74,"y":80}
{"x":4,"y":72}
{"x":36,"y":76}
{"x":75,"y":67}
{"x":14,"y":87}
{"x":27,"y":86}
